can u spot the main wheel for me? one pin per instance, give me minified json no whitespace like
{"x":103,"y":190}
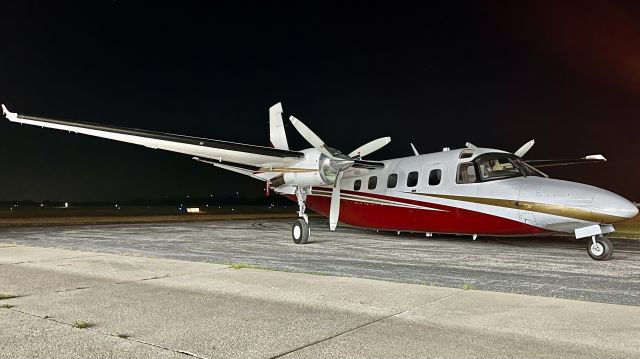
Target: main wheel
{"x":300,"y":232}
{"x":601,"y":250}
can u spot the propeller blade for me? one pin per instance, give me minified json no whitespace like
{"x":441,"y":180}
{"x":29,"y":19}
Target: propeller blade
{"x":334,"y":211}
{"x":525,"y":148}
{"x":370,"y":147}
{"x":311,"y":137}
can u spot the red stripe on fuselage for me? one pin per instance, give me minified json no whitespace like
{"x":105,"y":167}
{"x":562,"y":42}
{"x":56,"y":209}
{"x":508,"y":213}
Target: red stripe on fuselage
{"x":389,"y":217}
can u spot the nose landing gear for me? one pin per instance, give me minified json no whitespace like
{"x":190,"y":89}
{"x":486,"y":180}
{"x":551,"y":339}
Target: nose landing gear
{"x":600,"y":248}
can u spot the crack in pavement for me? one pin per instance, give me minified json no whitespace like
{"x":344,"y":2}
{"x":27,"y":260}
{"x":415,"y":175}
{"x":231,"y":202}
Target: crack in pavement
{"x":128,"y":282}
{"x":53,"y":259}
{"x":50,"y":319}
{"x":360,"y":327}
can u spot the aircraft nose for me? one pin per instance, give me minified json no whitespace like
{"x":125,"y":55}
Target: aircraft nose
{"x":614,"y":205}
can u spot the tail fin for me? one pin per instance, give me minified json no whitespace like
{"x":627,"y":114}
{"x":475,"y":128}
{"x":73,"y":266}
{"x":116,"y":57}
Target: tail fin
{"x":276,"y":128}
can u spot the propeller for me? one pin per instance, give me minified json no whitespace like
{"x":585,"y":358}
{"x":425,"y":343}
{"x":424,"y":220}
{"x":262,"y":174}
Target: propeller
{"x":337,"y":161}
{"x":524,"y":149}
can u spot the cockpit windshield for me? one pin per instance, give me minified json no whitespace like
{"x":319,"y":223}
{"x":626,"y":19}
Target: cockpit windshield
{"x":493,"y":166}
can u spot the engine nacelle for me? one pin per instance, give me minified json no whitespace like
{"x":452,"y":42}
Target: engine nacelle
{"x":303,"y":178}
{"x":314,"y":170}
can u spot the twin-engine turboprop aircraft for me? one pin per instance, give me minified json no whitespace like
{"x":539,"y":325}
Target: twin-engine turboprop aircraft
{"x":472,"y":191}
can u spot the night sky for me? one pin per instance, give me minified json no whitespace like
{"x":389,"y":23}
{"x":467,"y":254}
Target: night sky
{"x":497,"y":75}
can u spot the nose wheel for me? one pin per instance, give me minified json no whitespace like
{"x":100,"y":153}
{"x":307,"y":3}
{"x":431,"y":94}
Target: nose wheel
{"x":600,"y":248}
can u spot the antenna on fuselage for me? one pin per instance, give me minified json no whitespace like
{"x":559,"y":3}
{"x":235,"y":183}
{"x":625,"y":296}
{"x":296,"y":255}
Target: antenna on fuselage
{"x":414,"y":149}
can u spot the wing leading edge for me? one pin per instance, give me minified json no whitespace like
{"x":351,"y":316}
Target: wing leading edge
{"x":221,"y":151}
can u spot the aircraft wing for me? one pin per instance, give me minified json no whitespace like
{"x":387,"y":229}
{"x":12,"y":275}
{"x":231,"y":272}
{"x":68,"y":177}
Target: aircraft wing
{"x":553,"y":163}
{"x":216,"y":150}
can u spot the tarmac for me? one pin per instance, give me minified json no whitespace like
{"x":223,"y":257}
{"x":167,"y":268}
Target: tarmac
{"x":550,"y":266}
{"x":140,"y":307}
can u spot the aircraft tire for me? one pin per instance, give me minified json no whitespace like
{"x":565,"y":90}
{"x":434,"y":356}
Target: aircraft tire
{"x":300,"y":231}
{"x":602,"y":250}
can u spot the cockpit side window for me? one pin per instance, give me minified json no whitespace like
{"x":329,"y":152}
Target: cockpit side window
{"x":497,"y":167}
{"x":466,"y":173}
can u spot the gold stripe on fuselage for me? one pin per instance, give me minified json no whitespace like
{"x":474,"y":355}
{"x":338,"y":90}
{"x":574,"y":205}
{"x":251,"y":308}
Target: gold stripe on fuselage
{"x":553,"y":209}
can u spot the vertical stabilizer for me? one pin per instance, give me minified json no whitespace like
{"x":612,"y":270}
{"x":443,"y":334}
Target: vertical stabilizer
{"x":276,"y":128}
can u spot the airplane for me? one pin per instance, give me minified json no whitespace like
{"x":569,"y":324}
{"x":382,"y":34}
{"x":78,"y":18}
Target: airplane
{"x":467,"y":191}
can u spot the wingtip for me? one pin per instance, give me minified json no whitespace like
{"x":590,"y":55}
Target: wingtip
{"x":293,"y":119}
{"x":11,"y":116}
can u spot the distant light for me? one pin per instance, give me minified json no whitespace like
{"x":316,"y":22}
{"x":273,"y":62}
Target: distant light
{"x":41,"y":204}
{"x":66,"y":205}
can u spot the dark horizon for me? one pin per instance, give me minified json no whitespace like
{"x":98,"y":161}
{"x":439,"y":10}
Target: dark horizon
{"x":566,"y":74}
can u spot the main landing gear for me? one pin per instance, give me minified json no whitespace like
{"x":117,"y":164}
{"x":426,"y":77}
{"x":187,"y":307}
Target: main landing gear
{"x":300,"y":232}
{"x":600,"y":248}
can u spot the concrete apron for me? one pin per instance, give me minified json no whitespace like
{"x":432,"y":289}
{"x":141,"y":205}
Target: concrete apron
{"x":176,"y":309}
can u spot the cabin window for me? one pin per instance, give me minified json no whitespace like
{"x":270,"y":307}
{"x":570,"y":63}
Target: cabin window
{"x":373,"y":182}
{"x":466,"y":173}
{"x":434,"y":177}
{"x":392,"y":181}
{"x":356,"y":185}
{"x":412,"y":179}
